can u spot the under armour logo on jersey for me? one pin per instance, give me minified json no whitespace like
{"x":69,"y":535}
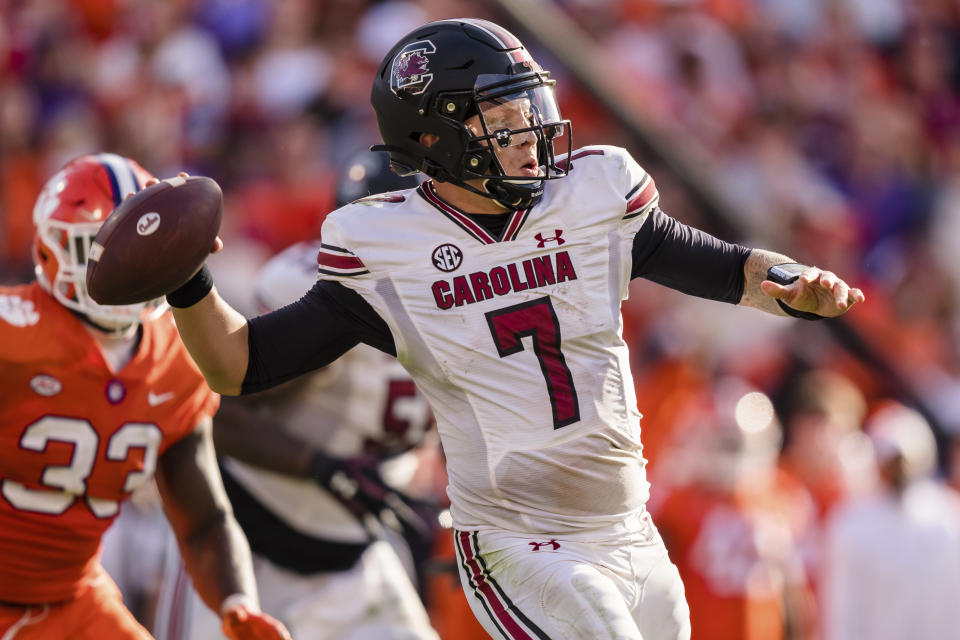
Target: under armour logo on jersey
{"x":542,"y":242}
{"x":536,"y":545}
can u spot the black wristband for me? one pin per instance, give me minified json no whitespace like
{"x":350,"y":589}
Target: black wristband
{"x":806,"y":315}
{"x":784,"y":274}
{"x":193,"y":290}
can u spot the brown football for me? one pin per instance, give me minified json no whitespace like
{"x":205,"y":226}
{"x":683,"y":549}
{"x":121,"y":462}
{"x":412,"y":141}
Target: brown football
{"x":154,"y":241}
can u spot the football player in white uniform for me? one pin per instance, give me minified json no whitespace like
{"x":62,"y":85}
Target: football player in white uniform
{"x":497,"y":284}
{"x":302,"y":467}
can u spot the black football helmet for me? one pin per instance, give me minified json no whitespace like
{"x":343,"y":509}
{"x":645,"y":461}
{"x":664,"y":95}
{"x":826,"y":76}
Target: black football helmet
{"x":445,"y":72}
{"x":367,"y":173}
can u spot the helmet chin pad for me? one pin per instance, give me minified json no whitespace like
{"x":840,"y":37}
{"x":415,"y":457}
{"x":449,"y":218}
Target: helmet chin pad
{"x":513,"y":194}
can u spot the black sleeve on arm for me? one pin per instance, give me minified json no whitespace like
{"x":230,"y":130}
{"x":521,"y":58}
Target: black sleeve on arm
{"x":687,"y":259}
{"x":310,"y":333}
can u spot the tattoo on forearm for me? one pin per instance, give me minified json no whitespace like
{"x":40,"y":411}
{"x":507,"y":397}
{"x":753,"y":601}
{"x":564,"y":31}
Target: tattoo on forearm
{"x":755,"y":272}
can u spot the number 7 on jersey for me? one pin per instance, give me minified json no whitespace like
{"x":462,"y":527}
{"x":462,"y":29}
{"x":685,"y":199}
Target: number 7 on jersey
{"x":538,"y":320}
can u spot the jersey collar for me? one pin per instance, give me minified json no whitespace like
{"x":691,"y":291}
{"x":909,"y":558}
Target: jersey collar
{"x":510,"y":231}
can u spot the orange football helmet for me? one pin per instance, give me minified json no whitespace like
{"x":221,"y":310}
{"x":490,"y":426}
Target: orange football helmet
{"x":67,"y":215}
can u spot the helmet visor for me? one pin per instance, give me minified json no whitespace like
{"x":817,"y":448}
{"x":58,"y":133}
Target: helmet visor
{"x":510,"y":107}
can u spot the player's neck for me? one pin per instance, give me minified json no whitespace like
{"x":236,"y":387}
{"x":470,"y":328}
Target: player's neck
{"x":118,"y":348}
{"x":467,"y":201}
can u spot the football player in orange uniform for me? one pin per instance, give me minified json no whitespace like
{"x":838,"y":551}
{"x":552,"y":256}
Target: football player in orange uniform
{"x":731,"y":519}
{"x":95,"y":401}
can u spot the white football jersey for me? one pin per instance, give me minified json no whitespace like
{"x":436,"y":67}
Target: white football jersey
{"x":516,"y":342}
{"x":364,"y":403}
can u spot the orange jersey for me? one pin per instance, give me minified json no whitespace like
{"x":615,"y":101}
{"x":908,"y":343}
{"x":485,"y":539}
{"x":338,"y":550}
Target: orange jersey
{"x":76,"y":438}
{"x":730,"y":550}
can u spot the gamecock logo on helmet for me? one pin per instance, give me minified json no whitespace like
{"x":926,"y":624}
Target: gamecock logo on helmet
{"x":411,"y":68}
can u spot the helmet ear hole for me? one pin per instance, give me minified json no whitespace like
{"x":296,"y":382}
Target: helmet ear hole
{"x":428,"y":139}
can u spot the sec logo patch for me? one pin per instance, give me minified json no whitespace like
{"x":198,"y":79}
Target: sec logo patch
{"x":447,"y":257}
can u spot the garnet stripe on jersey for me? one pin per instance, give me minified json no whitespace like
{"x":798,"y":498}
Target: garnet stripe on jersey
{"x":516,"y":222}
{"x":564,"y":163}
{"x":459,"y":218}
{"x":511,"y":230}
{"x":647,"y":195}
{"x":336,"y":261}
{"x":504,"y":614}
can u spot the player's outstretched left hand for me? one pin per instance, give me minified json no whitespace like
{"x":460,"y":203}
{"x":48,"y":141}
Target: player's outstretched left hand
{"x":816,"y":291}
{"x":243,"y":623}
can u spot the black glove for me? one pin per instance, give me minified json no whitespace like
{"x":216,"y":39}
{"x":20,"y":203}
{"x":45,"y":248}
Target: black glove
{"x":356,"y":483}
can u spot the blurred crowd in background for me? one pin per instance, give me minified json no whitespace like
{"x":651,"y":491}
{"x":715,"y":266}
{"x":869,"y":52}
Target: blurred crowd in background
{"x":805,"y":476}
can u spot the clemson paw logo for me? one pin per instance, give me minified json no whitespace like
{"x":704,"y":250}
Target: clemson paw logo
{"x":18,"y":312}
{"x":411,"y":68}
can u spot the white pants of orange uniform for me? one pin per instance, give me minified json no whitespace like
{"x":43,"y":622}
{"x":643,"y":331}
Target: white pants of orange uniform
{"x":532,"y":588}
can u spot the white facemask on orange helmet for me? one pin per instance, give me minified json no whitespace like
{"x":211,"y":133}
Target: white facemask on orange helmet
{"x":67,"y":215}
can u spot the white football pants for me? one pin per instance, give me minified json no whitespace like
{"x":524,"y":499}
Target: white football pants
{"x":523,"y":587}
